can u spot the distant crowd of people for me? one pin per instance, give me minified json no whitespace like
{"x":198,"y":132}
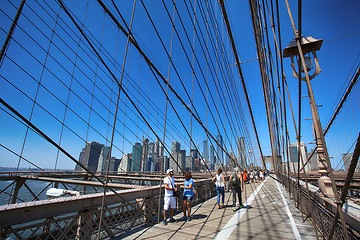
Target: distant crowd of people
{"x":236,"y":184}
{"x":256,"y":175}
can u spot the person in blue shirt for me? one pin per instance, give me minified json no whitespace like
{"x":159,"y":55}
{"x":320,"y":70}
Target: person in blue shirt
{"x":187,"y":195}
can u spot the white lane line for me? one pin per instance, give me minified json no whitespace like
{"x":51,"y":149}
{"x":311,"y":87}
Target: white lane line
{"x":230,"y":226}
{"x":292,"y":222}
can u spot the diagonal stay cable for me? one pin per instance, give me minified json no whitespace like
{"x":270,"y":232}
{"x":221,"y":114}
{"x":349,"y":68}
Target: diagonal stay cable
{"x":221,"y":2}
{"x":111,"y":72}
{"x":346,"y":187}
{"x":155,"y":69}
{"x":47,"y":138}
{"x":113,"y":127}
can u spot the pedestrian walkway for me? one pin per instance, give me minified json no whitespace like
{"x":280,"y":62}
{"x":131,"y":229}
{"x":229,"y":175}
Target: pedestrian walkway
{"x":268,"y":213}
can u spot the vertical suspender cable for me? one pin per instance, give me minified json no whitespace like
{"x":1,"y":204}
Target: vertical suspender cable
{"x":68,"y":94}
{"x":221,"y":2}
{"x":162,"y":165}
{"x":192,"y":81}
{"x":115,"y":118}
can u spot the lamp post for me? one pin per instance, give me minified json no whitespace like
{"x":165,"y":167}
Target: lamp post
{"x":298,"y":49}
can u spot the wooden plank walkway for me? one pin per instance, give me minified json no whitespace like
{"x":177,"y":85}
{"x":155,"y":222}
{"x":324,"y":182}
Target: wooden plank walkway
{"x":268,"y":214}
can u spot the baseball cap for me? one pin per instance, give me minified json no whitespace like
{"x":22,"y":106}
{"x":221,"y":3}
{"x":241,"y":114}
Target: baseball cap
{"x":169,"y":170}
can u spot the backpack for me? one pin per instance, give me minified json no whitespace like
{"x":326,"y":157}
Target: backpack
{"x":235,"y":179}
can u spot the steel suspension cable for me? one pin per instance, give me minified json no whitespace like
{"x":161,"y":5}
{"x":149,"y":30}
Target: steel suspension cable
{"x":166,"y":109}
{"x":11,"y":32}
{"x":151,"y":65}
{"x":37,"y":91}
{"x":221,"y":2}
{"x":71,"y":80}
{"x":344,"y":192}
{"x":218,"y":86}
{"x":115,"y":118}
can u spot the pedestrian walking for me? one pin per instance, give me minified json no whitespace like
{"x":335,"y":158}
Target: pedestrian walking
{"x":187,"y":195}
{"x":244,"y":176}
{"x":169,"y":199}
{"x":261,"y":175}
{"x":236,"y":184}
{"x":252,"y":176}
{"x":219,"y":181}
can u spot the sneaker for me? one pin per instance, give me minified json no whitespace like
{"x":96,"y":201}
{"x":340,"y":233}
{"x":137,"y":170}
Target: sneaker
{"x":172,"y":220}
{"x":183,"y":218}
{"x":234,"y":209}
{"x":219,"y":207}
{"x":241,"y":206}
{"x":188,"y":219}
{"x":164,"y":223}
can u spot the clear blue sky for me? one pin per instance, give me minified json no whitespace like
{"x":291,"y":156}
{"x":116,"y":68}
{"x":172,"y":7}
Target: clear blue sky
{"x":335,"y":22}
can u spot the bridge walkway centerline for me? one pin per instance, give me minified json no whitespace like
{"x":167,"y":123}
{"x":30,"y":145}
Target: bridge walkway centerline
{"x":268,"y":213}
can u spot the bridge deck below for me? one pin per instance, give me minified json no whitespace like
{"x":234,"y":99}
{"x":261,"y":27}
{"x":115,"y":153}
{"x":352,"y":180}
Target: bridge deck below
{"x":268,"y":214}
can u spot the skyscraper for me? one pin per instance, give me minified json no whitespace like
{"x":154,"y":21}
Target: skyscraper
{"x":125,"y":164}
{"x":233,"y":159}
{"x":219,"y":151}
{"x":136,"y":157}
{"x":157,"y":148}
{"x":151,"y":158}
{"x":145,"y":155}
{"x":81,"y":160}
{"x":103,"y":160}
{"x":188,"y":165}
{"x":294,"y":156}
{"x":241,"y":152}
{"x":313,"y":160}
{"x":205,"y":154}
{"x":91,"y":155}
{"x":175,"y":147}
{"x":116,"y":162}
{"x":194,"y":153}
{"x":212,"y":160}
{"x":175,"y":158}
{"x":182,"y":157}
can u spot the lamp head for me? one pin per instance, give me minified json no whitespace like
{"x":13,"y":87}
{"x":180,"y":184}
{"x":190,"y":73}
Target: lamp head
{"x":308,"y":44}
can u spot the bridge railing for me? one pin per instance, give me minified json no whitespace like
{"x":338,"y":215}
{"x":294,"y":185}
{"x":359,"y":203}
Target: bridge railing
{"x":319,"y":209}
{"x":79,"y":217}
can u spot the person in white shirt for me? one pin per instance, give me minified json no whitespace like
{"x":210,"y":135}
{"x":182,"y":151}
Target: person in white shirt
{"x":169,"y":199}
{"x":220,"y":184}
{"x":261,"y":175}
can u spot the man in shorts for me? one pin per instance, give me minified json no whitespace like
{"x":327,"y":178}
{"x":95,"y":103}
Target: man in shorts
{"x":169,"y":199}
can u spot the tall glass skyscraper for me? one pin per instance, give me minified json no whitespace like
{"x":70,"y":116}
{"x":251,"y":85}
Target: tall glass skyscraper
{"x":241,"y":152}
{"x":294,"y":156}
{"x":212,"y":160}
{"x":136,"y":157}
{"x":175,"y":147}
{"x":175,"y":158}
{"x":103,"y":160}
{"x":219,"y":151}
{"x":90,"y":155}
{"x":205,"y":154}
